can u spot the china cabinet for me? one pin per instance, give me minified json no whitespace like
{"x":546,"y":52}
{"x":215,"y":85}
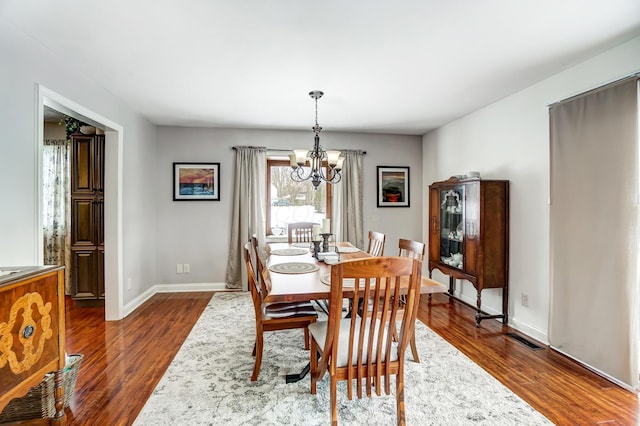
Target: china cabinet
{"x":469,"y":236}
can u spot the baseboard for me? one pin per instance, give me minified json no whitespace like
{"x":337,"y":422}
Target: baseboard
{"x":523,"y":328}
{"x":186,"y":287}
{"x":170,"y":288}
{"x":534,"y":333}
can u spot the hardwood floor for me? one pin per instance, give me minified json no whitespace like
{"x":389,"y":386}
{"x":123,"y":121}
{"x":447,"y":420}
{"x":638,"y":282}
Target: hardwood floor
{"x":124,"y":360}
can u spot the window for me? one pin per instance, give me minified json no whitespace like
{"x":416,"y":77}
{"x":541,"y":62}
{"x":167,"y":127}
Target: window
{"x":290,"y":201}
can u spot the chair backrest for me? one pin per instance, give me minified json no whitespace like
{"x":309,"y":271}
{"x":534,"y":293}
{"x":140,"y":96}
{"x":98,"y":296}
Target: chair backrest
{"x":254,"y":287}
{"x":375,"y":281}
{"x":301,"y":232}
{"x":376,"y":243}
{"x":410,"y":248}
{"x":259,"y":265}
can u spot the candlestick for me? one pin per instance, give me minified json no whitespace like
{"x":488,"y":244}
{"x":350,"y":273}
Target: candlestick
{"x":325,"y":241}
{"x":315,"y":233}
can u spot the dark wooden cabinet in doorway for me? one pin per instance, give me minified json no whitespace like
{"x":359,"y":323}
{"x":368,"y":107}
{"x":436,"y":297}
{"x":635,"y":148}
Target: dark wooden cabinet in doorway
{"x":87,"y":217}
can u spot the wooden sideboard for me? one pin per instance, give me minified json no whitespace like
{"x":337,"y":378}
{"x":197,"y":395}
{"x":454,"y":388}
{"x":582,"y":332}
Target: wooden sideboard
{"x":32,"y":338}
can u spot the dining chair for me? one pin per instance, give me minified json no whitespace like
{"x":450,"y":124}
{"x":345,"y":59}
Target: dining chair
{"x":361,"y":349}
{"x":274,"y":316}
{"x":414,"y":250}
{"x":300,"y":232}
{"x":376,"y":243}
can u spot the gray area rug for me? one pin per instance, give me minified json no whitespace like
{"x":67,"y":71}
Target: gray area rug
{"x":208,"y":382}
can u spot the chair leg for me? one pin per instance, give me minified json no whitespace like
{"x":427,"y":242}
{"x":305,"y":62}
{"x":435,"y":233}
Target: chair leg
{"x":306,"y":338}
{"x":414,"y":347}
{"x":333,"y":396}
{"x":256,"y":366}
{"x":254,"y":350}
{"x":400,"y":417}
{"x":313,"y":366}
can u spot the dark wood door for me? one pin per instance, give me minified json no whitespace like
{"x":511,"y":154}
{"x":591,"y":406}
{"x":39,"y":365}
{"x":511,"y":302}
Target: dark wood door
{"x":87,"y":216}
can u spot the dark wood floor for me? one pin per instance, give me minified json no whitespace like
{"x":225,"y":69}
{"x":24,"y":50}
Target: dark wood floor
{"x":124,"y":361}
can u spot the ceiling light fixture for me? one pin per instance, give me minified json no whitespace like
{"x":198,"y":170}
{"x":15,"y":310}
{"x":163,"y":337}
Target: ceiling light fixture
{"x":316,"y":160}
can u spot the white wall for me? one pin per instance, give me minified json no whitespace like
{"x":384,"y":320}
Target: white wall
{"x":510,"y":140}
{"x":197,"y":232}
{"x":23,"y":64}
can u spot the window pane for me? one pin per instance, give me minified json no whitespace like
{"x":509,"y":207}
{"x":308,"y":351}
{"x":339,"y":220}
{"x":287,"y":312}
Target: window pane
{"x":294,"y":201}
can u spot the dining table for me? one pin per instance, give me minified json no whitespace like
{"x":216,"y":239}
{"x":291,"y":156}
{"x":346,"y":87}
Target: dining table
{"x":293,"y":274}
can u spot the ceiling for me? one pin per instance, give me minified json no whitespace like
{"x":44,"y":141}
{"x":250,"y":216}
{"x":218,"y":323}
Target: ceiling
{"x":387,"y":67}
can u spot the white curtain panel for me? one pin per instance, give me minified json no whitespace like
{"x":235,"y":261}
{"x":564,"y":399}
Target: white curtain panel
{"x":56,"y":212}
{"x":347,"y":200}
{"x":594,"y":230}
{"x":249,"y":210}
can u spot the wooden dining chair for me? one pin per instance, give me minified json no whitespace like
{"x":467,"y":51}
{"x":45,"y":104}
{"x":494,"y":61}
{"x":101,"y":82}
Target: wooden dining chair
{"x":300,"y":232}
{"x":274,"y":316}
{"x":376,"y":243}
{"x":414,"y":250}
{"x":362,"y":348}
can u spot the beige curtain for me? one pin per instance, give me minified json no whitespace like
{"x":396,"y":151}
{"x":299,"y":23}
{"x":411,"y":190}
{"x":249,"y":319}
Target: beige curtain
{"x":593,"y":230}
{"x":248,"y":212}
{"x":56,"y":212}
{"x":347,"y":200}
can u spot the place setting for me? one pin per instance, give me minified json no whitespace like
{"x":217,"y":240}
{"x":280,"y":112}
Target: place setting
{"x":294,"y":268}
{"x":289,"y":252}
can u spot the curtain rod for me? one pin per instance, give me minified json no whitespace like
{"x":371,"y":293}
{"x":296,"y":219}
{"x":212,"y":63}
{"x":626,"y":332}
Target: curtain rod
{"x":284,"y":150}
{"x":597,"y":88}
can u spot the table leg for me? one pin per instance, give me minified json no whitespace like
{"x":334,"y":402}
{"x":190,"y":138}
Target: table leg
{"x":293,"y":378}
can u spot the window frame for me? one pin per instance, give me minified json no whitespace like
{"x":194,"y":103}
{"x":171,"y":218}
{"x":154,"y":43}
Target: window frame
{"x":280,"y":162}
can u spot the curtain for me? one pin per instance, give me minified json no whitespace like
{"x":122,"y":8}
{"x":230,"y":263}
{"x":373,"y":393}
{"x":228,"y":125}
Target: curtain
{"x":594,"y":230}
{"x":248,"y":211}
{"x":56,"y":211}
{"x":347,"y":200}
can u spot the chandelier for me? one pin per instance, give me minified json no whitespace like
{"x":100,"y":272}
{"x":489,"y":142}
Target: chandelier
{"x":316,"y":161}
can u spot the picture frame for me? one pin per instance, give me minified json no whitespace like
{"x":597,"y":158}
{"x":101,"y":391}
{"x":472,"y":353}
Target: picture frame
{"x":196,"y":181}
{"x":393,"y":186}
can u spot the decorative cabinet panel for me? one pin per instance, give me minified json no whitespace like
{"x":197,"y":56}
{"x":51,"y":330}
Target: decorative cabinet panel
{"x":32,"y":332}
{"x":469,"y":235}
{"x":87,"y":216}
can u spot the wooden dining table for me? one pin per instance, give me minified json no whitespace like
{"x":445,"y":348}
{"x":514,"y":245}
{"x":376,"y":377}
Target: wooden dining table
{"x":309,"y":286}
{"x":304,"y":287}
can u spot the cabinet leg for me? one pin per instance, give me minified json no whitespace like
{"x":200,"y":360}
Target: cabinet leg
{"x":505,"y":305}
{"x":478,"y":311}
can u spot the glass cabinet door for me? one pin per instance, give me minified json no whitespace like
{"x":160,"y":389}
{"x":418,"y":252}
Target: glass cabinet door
{"x":452,"y":227}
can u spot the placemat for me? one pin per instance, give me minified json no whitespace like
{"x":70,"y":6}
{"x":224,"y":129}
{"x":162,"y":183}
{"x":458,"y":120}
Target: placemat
{"x":289,"y":251}
{"x":346,"y":282}
{"x":303,"y":245}
{"x":348,"y":249}
{"x":294,"y":268}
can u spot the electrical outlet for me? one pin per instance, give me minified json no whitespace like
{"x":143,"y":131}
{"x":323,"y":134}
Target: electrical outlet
{"x":186,"y":268}
{"x":525,"y":300}
{"x":129,"y":283}
{"x":179,"y":268}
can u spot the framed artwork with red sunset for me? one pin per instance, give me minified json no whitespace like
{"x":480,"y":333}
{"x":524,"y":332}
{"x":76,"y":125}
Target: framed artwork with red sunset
{"x":393,"y":186}
{"x":196,"y":181}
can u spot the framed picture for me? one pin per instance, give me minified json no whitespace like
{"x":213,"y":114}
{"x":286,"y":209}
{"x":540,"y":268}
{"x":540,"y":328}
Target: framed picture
{"x":393,"y":186}
{"x":196,"y":181}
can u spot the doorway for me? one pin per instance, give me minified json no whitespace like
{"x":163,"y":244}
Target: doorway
{"x":113,"y":259}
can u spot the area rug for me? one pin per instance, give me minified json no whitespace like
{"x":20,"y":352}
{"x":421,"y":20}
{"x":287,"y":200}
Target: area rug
{"x":208,"y":382}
